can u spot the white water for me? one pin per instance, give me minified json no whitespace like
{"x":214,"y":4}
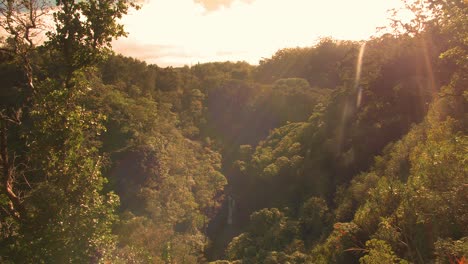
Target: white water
{"x":358,"y":74}
{"x":231,"y":205}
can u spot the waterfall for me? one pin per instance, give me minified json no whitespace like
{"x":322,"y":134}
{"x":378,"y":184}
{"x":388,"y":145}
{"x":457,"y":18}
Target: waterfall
{"x":231,"y":204}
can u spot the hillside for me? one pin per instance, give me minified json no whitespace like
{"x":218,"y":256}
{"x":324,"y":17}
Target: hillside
{"x":342,"y":152}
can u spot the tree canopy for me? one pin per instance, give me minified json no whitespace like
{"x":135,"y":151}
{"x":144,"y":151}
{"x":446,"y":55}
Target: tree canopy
{"x":342,"y":152}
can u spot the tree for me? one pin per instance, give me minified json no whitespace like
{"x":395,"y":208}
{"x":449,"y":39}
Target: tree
{"x":51,"y":167}
{"x":379,"y":252}
{"x":269,"y":232}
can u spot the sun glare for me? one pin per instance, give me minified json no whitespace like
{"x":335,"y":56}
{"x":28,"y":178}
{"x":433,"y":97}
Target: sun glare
{"x":178,"y":32}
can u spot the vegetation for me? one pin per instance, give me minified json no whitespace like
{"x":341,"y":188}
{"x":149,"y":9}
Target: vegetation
{"x":344,"y":152}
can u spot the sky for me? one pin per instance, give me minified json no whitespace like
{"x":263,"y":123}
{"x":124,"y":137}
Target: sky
{"x":187,"y":32}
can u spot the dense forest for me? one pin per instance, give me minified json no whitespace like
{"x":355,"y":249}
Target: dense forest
{"x":342,"y":152}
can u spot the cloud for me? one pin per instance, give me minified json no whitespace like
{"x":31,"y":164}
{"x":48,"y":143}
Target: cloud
{"x":212,"y":5}
{"x":163,"y":55}
{"x":172,"y":55}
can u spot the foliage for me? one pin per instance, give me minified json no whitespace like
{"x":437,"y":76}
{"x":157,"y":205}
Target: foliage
{"x":269,"y":231}
{"x":51,"y":168}
{"x":343,"y":152}
{"x":377,"y":252}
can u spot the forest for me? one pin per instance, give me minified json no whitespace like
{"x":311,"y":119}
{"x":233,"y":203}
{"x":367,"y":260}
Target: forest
{"x":341,"y":152}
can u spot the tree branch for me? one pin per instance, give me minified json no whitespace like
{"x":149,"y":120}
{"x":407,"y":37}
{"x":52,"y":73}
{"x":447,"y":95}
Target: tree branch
{"x":8,"y":173}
